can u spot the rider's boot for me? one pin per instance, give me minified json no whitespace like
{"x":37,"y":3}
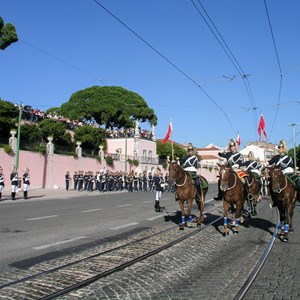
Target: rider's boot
{"x":298,"y":189}
{"x":220,"y":193}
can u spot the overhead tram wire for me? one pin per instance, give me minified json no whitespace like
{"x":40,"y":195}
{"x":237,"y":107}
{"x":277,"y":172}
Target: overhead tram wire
{"x":170,"y":62}
{"x":279,"y":66}
{"x":62,"y":61}
{"x":217,"y":34}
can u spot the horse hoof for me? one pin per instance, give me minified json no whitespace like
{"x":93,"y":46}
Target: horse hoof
{"x":225,"y":234}
{"x":198,"y":224}
{"x":235,"y":232}
{"x":181,"y":227}
{"x":291,"y":230}
{"x":285,"y":239}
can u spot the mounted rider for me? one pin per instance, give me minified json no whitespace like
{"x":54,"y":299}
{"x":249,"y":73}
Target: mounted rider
{"x":190,"y":164}
{"x":285,"y":163}
{"x":254,"y":167}
{"x":233,"y":158}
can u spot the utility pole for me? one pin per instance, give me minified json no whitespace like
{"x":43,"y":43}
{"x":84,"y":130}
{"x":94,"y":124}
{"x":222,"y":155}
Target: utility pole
{"x":19,"y":134}
{"x":294,"y":137}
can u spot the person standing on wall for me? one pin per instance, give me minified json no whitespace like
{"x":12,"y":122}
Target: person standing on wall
{"x":26,"y":183}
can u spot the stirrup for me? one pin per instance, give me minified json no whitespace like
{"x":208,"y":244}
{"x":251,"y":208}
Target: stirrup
{"x":250,"y":197}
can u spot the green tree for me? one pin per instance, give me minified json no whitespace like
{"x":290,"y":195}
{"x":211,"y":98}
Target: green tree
{"x":164,"y":150}
{"x":8,"y":117}
{"x":291,"y":154}
{"x":31,"y":133}
{"x":57,"y":130}
{"x":108,"y":105}
{"x":90,"y":137}
{"x":8,"y":34}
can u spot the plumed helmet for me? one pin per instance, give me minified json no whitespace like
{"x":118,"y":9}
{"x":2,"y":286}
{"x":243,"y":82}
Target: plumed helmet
{"x":283,"y":145}
{"x":232,"y":142}
{"x":251,"y":155}
{"x":190,"y":147}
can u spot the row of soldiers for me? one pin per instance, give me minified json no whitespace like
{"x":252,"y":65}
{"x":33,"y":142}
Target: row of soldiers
{"x":14,"y":179}
{"x":114,"y":181}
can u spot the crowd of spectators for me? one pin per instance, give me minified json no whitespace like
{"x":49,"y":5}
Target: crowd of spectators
{"x":120,"y":133}
{"x":36,"y":115}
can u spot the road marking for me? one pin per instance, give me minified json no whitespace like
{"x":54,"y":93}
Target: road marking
{"x":58,"y":243}
{"x":124,"y":205}
{"x":165,"y":199}
{"x":90,"y":210}
{"x":156,"y":217}
{"x":40,"y":218}
{"x":148,"y":201}
{"x":124,"y":226}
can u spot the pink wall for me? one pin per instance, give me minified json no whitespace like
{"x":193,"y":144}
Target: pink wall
{"x":48,"y":171}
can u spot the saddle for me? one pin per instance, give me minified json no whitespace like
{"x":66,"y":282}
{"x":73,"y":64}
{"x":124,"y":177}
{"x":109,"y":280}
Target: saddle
{"x":194,"y":177}
{"x":292,"y":177}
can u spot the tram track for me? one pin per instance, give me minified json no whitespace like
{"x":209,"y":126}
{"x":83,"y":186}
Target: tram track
{"x":79,"y":273}
{"x":242,"y":292}
{"x":62,"y":279}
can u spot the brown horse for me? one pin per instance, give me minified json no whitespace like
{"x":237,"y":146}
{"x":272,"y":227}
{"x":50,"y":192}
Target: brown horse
{"x":253,"y":192}
{"x":233,"y":196}
{"x":186,"y":192}
{"x":284,"y":196}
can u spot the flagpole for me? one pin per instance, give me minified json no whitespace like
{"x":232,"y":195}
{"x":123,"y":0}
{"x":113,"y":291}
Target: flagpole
{"x":172,"y":140}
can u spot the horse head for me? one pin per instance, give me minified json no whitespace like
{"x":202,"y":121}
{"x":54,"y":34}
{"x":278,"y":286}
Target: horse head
{"x":174,"y":170}
{"x":277,"y":178}
{"x":225,"y":176}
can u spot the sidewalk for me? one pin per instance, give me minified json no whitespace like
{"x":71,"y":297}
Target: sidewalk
{"x":48,"y":194}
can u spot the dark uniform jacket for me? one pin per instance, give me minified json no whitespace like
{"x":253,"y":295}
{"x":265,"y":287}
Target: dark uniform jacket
{"x":233,"y":158}
{"x":284,"y":161}
{"x":158,"y":181}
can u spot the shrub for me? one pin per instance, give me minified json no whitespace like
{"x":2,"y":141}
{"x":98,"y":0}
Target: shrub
{"x":109,"y":160}
{"x":7,"y":149}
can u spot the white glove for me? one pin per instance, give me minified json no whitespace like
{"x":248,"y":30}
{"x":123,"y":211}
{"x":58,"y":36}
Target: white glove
{"x":236,"y":166}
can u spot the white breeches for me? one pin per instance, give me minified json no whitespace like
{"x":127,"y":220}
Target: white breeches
{"x":26,"y":187}
{"x":14,"y":188}
{"x":158,"y":195}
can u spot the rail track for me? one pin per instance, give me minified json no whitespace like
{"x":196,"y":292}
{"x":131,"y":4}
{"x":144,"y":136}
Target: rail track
{"x":60,"y":280}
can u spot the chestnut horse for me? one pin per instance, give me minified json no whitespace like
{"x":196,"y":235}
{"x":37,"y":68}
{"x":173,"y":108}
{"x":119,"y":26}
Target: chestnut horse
{"x":186,"y":192}
{"x":233,"y":196}
{"x":284,"y":195}
{"x":253,"y":190}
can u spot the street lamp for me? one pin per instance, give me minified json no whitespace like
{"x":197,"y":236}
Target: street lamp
{"x":294,"y":136}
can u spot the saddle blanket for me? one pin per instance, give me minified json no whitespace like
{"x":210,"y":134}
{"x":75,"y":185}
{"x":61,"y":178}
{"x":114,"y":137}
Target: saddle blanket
{"x":241,"y":174}
{"x":194,"y":176}
{"x":292,"y":177}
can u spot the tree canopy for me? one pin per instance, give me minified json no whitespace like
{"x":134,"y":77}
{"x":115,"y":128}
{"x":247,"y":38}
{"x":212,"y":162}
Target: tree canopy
{"x":8,"y":34}
{"x":112,"y":106}
{"x":57,"y":130}
{"x":90,"y":137}
{"x":8,"y":117}
{"x":164,"y":150}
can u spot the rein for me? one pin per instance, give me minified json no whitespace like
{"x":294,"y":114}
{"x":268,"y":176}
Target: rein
{"x":235,"y":180}
{"x":280,"y":190}
{"x":185,"y":178}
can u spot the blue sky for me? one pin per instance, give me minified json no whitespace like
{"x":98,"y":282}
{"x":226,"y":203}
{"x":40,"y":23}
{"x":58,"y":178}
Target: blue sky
{"x":66,"y":46}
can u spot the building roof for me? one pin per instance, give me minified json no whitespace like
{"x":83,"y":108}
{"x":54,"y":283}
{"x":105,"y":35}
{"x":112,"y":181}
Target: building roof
{"x":209,"y":157}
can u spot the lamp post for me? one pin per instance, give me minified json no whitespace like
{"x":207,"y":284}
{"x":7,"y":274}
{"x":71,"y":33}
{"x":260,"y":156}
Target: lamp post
{"x":125,"y":150}
{"x":294,"y":137}
{"x":19,"y":135}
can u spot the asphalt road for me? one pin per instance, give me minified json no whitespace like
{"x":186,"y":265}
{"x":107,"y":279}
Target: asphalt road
{"x":40,"y":229}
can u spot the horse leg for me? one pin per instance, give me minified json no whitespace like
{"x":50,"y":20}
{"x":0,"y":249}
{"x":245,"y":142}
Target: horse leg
{"x":189,"y":212}
{"x":182,"y":224}
{"x":226,"y":206}
{"x":281,"y":210}
{"x":201,"y":209}
{"x":236,"y":217}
